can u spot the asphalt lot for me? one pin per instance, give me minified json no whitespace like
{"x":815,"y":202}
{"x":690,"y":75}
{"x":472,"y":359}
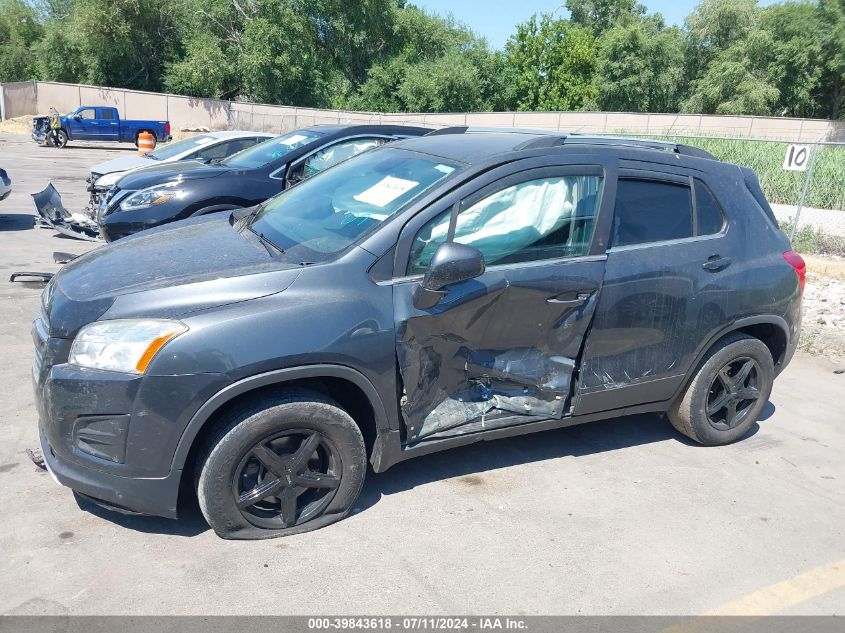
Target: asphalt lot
{"x":617,"y":517}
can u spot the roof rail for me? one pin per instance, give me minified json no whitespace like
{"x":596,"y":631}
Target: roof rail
{"x":552,"y":138}
{"x":465,"y":129}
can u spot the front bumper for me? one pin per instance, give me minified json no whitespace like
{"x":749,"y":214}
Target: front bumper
{"x":117,"y":223}
{"x":158,"y":497}
{"x":112,"y":436}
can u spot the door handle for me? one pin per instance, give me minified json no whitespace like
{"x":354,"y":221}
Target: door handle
{"x":581,"y":298}
{"x":716,"y":263}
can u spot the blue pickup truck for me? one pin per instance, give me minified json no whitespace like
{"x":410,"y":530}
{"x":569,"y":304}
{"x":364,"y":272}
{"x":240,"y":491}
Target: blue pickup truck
{"x":98,"y":123}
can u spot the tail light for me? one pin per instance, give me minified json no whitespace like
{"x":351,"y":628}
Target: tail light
{"x":167,"y":128}
{"x":797,"y":262}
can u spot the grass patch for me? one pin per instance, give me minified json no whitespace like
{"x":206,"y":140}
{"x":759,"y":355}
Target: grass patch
{"x":815,"y":241}
{"x":827,"y":189}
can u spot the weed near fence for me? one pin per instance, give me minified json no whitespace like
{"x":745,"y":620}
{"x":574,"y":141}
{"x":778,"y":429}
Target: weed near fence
{"x":827,"y":189}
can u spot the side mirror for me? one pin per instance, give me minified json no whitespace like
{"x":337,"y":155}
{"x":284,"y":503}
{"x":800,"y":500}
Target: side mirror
{"x":451,"y":263}
{"x":77,"y":116}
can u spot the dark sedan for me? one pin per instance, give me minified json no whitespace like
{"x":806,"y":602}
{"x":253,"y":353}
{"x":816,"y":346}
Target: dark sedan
{"x":164,"y":193}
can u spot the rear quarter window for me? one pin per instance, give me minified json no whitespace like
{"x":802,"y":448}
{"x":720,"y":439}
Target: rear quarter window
{"x":710,"y":217}
{"x":651,"y":211}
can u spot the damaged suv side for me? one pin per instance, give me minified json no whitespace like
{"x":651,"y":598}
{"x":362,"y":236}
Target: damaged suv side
{"x":463,"y":286}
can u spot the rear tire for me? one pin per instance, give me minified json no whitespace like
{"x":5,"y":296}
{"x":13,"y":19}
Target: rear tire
{"x":727,"y":393}
{"x":284,"y":464}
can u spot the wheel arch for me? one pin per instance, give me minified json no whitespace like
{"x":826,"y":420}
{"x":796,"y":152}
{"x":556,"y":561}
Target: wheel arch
{"x":348,"y":386}
{"x":771,"y":329}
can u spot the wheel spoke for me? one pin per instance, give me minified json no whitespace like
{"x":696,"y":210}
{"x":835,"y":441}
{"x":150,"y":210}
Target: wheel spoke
{"x":289,"y":506}
{"x":303,"y":453}
{"x":727,"y":381}
{"x":310,"y":479}
{"x":748,"y":393}
{"x":261,"y":491}
{"x":271,"y":461}
{"x":719,"y":403}
{"x":730,"y":415}
{"x":742,"y":374}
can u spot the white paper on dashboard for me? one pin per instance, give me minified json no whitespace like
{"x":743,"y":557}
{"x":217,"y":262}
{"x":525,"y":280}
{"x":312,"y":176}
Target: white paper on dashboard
{"x":293,"y":140}
{"x":385,"y":191}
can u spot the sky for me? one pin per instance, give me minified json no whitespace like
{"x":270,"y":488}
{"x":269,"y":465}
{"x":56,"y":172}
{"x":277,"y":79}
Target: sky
{"x":497,"y":19}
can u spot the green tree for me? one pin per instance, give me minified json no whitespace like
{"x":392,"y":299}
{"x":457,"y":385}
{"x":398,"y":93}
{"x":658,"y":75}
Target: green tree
{"x":553,"y":63}
{"x":432,"y":65}
{"x":19,"y":30}
{"x":601,"y":15}
{"x":641,"y":67}
{"x":791,"y":57}
{"x":735,"y":82}
{"x":833,"y":43}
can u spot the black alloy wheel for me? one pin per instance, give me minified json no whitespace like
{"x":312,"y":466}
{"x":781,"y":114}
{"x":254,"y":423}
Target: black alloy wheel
{"x":287,"y":479}
{"x":732,"y":393}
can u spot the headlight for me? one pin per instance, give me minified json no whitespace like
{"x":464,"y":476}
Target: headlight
{"x":152,"y":196}
{"x":125,"y":345}
{"x":104,"y":182}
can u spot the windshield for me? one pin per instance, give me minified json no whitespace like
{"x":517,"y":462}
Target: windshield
{"x":335,"y":208}
{"x":268,"y":151}
{"x":177,"y":147}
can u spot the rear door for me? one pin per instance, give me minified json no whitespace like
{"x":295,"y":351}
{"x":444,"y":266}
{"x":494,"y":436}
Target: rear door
{"x":666,"y":289}
{"x":501,"y":349}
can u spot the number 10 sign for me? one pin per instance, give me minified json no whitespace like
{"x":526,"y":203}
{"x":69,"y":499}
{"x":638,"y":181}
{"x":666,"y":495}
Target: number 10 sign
{"x":797,"y":157}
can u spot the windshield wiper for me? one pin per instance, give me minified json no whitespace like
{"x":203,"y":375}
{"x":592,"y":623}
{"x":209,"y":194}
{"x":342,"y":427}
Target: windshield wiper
{"x":267,"y":242}
{"x":240,"y":218}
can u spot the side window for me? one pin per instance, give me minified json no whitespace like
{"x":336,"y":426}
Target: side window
{"x":708,"y":212}
{"x":107,"y":115}
{"x":88,"y":113}
{"x":651,"y":211}
{"x":222,"y":150}
{"x":546,"y":218}
{"x":331,"y":155}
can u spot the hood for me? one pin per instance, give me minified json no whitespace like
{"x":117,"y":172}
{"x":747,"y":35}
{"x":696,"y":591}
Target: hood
{"x":166,"y":273}
{"x":124,"y":163}
{"x":168,"y":172}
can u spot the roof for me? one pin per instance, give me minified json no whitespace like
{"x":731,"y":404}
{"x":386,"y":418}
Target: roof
{"x":332,"y":129}
{"x":236,"y":134}
{"x":470,"y":145}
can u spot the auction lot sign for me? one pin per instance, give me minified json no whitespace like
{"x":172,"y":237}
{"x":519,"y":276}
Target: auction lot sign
{"x":797,"y":158}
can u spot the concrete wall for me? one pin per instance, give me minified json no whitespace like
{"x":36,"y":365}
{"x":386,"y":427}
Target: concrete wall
{"x":17,"y":99}
{"x":25,"y":98}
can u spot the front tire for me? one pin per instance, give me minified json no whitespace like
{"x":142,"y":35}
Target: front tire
{"x":727,"y":394}
{"x":284,"y":464}
{"x":62,"y":139}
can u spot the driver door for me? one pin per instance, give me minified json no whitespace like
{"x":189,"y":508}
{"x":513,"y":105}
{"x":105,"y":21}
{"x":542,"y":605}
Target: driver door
{"x":501,"y":349}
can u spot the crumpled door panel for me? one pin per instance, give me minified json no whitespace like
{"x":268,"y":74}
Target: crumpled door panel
{"x":494,"y":347}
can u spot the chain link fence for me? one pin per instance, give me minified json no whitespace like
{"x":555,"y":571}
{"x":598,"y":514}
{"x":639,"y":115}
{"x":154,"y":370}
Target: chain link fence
{"x":809,"y":204}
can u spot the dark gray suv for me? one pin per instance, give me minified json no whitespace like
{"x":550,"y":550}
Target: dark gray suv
{"x":463,"y":286}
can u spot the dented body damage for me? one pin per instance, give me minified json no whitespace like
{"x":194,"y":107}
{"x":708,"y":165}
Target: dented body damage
{"x":501,"y":347}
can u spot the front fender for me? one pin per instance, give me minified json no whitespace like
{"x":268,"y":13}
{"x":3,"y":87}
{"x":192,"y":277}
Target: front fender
{"x":278,"y":377}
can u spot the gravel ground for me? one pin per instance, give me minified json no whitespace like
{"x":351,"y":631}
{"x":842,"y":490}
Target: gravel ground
{"x":823,"y":325}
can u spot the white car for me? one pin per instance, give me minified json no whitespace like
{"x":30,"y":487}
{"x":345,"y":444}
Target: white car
{"x":207,"y":147}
